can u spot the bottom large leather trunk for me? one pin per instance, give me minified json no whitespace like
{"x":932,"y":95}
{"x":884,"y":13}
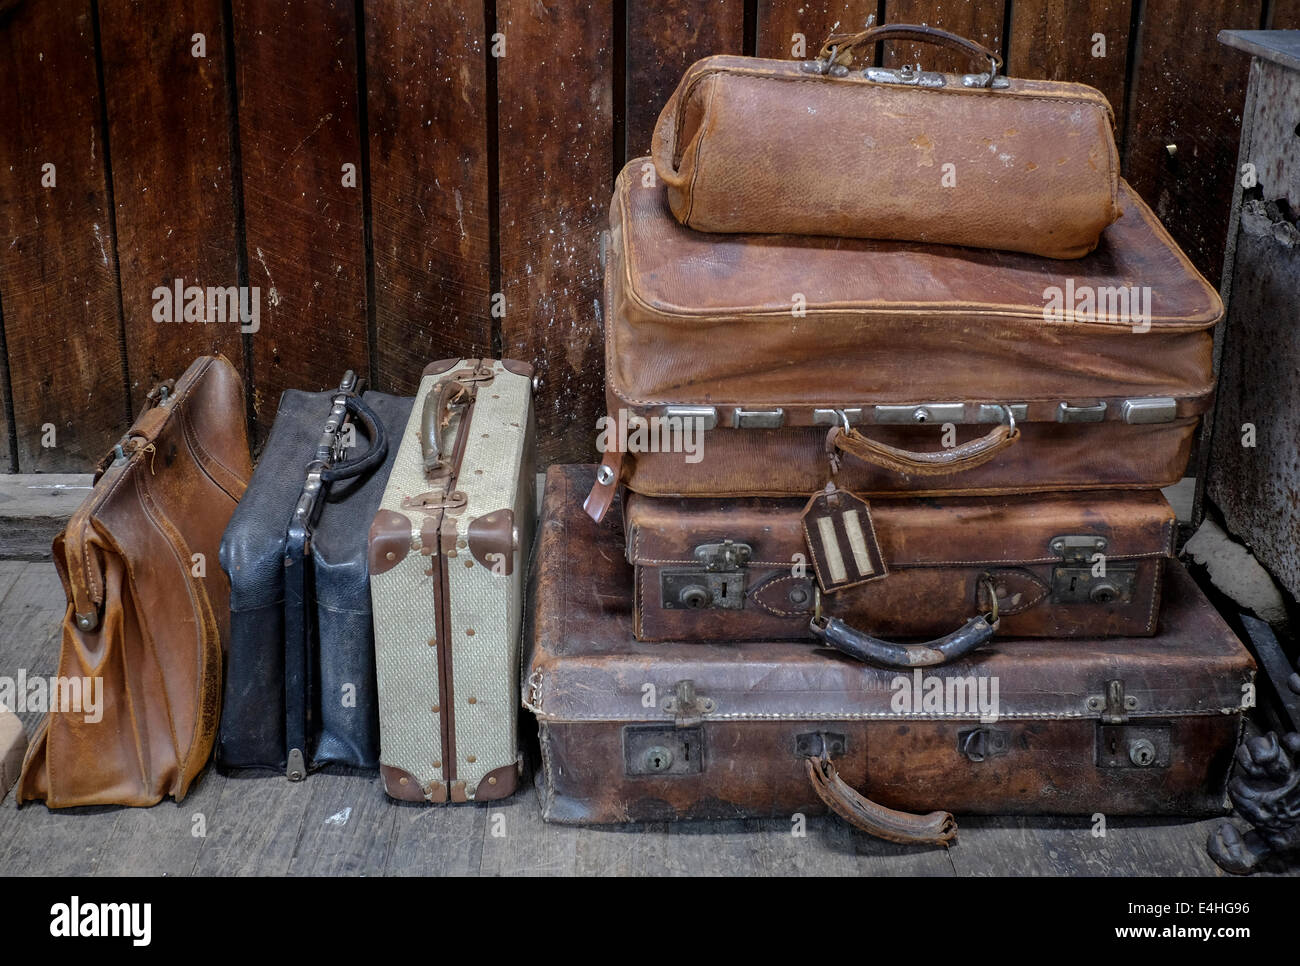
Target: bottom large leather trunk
{"x":635,"y":731}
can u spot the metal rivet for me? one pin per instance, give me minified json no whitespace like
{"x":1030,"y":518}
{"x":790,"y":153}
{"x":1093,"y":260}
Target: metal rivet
{"x":478,"y":472}
{"x":390,"y":556}
{"x":436,"y":708}
{"x":921,"y":415}
{"x":473,"y":700}
{"x":433,"y":642}
{"x":469,"y":632}
{"x":437,"y":764}
{"x":471,"y":759}
{"x":605,"y":475}
{"x":492,"y":781}
{"x":451,"y":553}
{"x":404,"y":781}
{"x":461,"y":544}
{"x":469,"y":563}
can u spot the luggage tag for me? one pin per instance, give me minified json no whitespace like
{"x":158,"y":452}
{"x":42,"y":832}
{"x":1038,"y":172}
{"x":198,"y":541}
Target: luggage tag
{"x":840,"y":535}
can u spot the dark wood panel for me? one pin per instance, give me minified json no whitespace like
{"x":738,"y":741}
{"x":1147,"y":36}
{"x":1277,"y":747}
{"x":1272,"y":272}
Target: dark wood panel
{"x":297,"y":83}
{"x":664,"y":37}
{"x":1190,"y":91}
{"x":814,"y":20}
{"x":169,"y":127}
{"x":1053,"y":40}
{"x":981,"y":22}
{"x":57,"y":253}
{"x":555,"y":124}
{"x":427,"y":91}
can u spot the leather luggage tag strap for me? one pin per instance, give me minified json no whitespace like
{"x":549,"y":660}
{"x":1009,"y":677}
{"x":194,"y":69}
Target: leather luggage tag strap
{"x":841,"y":540}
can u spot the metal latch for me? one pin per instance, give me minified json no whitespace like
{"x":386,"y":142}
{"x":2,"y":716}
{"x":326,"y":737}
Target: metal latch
{"x":719,"y":582}
{"x":1084,"y":576}
{"x":706,"y":417}
{"x":1125,"y":744}
{"x":1065,"y":413}
{"x":978,"y":744}
{"x":1114,"y":705}
{"x":909,"y":74}
{"x":757,"y":418}
{"x":687,"y":707}
{"x":662,"y":750}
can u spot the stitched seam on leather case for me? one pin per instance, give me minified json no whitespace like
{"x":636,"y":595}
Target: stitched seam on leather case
{"x":204,"y":621}
{"x":1025,"y":311}
{"x":1199,"y":712}
{"x":1155,"y":596}
{"x":203,"y":456}
{"x":699,"y":150}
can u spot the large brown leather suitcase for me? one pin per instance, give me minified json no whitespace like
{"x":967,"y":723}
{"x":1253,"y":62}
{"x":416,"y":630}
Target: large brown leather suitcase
{"x":1048,"y":565}
{"x":946,"y":370}
{"x":655,"y":732}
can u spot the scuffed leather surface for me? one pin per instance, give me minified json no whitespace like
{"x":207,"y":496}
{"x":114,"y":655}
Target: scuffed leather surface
{"x":585,"y":679}
{"x":128,"y":554}
{"x":750,"y":145}
{"x":935,"y":550}
{"x":702,"y":319}
{"x":252,"y":553}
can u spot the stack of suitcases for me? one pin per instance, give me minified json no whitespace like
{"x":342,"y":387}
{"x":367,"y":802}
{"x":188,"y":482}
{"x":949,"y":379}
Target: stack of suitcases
{"x":896,"y":367}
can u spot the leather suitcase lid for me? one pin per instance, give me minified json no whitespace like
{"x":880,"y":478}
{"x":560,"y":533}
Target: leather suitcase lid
{"x":676,"y":271}
{"x":584,"y":664}
{"x":943,"y":532}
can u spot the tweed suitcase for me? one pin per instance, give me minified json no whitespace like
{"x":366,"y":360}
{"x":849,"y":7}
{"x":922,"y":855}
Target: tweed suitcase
{"x":1078,"y":565}
{"x":448,"y":550}
{"x":656,"y":732}
{"x":750,"y":365}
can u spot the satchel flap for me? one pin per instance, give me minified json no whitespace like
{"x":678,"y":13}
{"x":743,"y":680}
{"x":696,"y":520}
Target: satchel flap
{"x":946,"y":532}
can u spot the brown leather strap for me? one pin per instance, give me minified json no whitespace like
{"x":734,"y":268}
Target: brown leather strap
{"x":936,"y":828}
{"x":943,"y":462}
{"x":846,"y":46}
{"x":602,"y":495}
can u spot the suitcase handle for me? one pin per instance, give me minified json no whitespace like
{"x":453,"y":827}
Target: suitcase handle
{"x":936,"y":828}
{"x":967,"y":456}
{"x":434,"y":419}
{"x":377,"y":435}
{"x":855,"y":643}
{"x":840,"y":48}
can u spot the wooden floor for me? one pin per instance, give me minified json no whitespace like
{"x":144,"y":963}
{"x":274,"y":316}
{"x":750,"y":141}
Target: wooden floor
{"x":342,"y":824}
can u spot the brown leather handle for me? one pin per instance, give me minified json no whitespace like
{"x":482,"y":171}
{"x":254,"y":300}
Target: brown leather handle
{"x":434,"y":419}
{"x":842,"y":47}
{"x":942,"y":462}
{"x":936,"y":828}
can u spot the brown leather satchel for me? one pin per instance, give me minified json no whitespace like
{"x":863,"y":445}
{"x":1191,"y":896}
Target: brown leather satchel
{"x":834,"y":146}
{"x":148,"y":605}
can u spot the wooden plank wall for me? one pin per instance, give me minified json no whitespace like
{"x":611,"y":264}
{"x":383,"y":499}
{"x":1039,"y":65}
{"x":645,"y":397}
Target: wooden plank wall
{"x":405,"y":181}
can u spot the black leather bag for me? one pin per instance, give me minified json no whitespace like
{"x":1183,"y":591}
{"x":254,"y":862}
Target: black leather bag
{"x":300,"y":677}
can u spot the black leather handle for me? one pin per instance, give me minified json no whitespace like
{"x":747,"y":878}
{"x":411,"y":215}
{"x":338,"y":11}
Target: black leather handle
{"x":378,"y":451}
{"x":864,"y":647}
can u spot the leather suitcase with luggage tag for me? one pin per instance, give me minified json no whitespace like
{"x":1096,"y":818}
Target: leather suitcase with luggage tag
{"x":300,"y":681}
{"x":636,"y":731}
{"x":752,"y":365}
{"x":1049,"y":565}
{"x":449,"y":549}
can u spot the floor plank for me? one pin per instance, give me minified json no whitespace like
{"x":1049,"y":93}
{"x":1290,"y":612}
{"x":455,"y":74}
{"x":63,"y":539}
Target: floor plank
{"x":340,"y":822}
